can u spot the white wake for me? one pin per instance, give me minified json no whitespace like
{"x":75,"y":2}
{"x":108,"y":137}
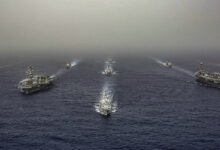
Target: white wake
{"x":185,"y":71}
{"x":62,"y":71}
{"x":177,"y":68}
{"x":160,"y":62}
{"x":74,"y":63}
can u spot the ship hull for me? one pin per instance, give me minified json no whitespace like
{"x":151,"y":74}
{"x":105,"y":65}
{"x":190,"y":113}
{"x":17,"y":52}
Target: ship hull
{"x":206,"y":82}
{"x":35,"y":89}
{"x":106,"y":112}
{"x":108,"y":74}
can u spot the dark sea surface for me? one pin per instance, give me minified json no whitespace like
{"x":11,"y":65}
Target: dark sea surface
{"x":158,"y":108}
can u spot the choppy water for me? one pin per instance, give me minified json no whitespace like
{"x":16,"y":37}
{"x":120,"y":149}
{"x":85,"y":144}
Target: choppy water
{"x":158,"y":108}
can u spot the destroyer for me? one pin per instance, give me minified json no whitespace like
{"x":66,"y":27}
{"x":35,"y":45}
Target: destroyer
{"x":34,"y":83}
{"x":206,"y":78}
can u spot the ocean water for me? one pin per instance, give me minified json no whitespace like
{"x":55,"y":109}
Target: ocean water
{"x":157,"y":108}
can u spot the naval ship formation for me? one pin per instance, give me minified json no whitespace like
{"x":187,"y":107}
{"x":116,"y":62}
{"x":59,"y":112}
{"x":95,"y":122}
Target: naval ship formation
{"x":202,"y":76}
{"x":34,"y":83}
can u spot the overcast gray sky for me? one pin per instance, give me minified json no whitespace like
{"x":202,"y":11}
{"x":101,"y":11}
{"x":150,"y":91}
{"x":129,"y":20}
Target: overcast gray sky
{"x":31,"y":25}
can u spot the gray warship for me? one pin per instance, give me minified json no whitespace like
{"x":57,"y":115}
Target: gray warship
{"x":105,"y":105}
{"x":206,"y":78}
{"x":108,"y":71}
{"x":68,"y":66}
{"x":169,"y":64}
{"x":35,"y":83}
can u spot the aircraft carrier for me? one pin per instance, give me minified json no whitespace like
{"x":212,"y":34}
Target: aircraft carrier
{"x":206,"y":78}
{"x":35,"y":83}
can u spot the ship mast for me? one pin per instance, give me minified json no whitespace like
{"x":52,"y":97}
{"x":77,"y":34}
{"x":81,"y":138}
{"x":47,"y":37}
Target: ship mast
{"x":29,"y":72}
{"x":201,"y":67}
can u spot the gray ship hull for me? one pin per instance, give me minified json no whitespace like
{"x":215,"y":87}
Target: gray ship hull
{"x":106,"y":112}
{"x":209,"y":83}
{"x":35,"y":89}
{"x":108,"y":74}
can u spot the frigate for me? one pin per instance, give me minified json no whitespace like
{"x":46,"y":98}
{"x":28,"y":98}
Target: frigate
{"x":207,"y":78}
{"x":34,"y":83}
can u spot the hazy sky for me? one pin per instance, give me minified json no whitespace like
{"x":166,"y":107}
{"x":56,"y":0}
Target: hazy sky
{"x":113,"y":25}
